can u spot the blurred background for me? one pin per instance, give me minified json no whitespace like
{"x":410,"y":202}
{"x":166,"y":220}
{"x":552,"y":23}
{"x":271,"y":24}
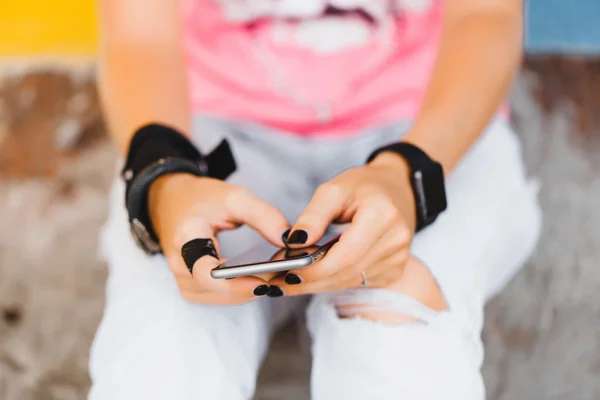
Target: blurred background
{"x":542,"y":334}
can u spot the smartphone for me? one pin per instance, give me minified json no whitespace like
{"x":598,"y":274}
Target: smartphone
{"x":267,"y":258}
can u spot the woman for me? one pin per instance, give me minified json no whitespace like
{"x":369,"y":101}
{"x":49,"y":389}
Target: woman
{"x":304,"y":92}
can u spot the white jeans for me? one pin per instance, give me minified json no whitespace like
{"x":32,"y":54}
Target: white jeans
{"x":152,"y":344}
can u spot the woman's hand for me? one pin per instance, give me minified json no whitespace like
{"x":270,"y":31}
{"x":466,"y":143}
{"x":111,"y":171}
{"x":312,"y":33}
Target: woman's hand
{"x":185,"y":207}
{"x":378,"y":201}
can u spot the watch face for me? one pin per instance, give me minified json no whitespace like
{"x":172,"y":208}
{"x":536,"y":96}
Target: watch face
{"x":430,"y":191}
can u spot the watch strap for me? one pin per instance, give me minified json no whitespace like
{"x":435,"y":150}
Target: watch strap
{"x":411,"y":153}
{"x":418,"y":162}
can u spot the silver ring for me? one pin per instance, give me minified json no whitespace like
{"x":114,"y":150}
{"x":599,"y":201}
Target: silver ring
{"x":365,"y":281}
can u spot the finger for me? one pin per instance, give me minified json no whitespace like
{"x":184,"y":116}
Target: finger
{"x":192,"y":227}
{"x":378,"y":275}
{"x":354,"y":244}
{"x":390,"y":245}
{"x":193,"y":239}
{"x":348,"y":281}
{"x":248,"y":209}
{"x":195,"y":249}
{"x":286,"y":289}
{"x":412,"y":279}
{"x":386,"y":271}
{"x":326,"y":205}
{"x":246,"y":286}
{"x":374,"y":263}
{"x":322,"y":286}
{"x":199,"y":258}
{"x":373,"y":219}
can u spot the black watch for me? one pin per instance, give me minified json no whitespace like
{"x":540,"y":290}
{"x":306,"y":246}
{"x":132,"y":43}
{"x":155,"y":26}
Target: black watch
{"x":158,"y":150}
{"x":427,"y":180}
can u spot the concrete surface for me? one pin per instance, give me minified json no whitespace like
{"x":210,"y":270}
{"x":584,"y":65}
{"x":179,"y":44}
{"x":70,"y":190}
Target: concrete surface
{"x":542,"y":334}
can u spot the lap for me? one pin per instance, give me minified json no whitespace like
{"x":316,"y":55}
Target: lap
{"x":151,"y":337}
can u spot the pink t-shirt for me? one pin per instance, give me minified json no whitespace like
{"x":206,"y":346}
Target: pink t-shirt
{"x":311,"y":66}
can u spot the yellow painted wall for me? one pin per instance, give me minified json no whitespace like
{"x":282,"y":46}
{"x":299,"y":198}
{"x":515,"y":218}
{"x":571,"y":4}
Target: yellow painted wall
{"x":47,"y":27}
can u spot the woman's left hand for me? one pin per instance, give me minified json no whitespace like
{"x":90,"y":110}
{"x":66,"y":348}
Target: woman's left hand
{"x":377,"y":200}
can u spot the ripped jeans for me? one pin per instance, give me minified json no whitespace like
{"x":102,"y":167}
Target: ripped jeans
{"x":152,"y":344}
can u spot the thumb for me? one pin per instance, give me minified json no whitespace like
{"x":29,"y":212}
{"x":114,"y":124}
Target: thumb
{"x":193,"y":240}
{"x":245,"y":208}
{"x":326,"y":206}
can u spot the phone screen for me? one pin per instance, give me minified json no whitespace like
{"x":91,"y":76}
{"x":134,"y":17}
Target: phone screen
{"x":266,"y":252}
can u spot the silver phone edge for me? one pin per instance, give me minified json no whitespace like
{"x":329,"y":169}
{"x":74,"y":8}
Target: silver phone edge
{"x":256,"y":269}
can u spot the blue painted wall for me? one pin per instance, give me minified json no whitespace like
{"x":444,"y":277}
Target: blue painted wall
{"x":562,"y":27}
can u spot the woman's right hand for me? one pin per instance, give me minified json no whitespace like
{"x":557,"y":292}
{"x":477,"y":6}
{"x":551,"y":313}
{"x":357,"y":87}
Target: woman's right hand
{"x":184,"y":207}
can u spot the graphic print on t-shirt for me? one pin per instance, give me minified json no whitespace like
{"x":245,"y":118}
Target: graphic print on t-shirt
{"x":323,"y":26}
{"x":310,"y":66}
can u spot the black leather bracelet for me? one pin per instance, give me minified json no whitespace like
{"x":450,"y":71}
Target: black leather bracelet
{"x":137,"y":198}
{"x":158,"y":150}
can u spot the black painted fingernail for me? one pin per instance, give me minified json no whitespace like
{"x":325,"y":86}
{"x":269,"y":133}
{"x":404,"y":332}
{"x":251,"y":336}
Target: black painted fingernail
{"x":284,"y":236}
{"x":298,"y":237}
{"x":195,"y":249}
{"x":292,"y":279}
{"x":262,"y":290}
{"x":275,"y":292}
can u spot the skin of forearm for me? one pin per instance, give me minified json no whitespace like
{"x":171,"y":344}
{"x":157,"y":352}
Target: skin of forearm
{"x":478,"y":58}
{"x":142,"y":83}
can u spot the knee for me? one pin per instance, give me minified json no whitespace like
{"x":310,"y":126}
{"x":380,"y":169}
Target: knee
{"x":393,"y":357}
{"x":416,"y":282}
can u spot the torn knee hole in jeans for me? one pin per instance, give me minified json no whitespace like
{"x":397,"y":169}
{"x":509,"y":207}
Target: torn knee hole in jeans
{"x":381,"y":305}
{"x":376,"y":314}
